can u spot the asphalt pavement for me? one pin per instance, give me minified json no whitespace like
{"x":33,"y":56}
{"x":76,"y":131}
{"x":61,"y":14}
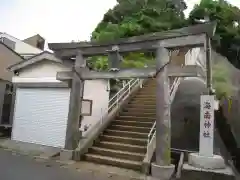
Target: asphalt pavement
{"x":19,"y":167}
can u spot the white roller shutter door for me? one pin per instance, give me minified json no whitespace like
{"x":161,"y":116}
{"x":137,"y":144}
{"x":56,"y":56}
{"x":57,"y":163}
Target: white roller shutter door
{"x":40,"y":116}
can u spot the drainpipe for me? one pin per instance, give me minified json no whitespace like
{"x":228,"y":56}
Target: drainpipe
{"x":208,"y":65}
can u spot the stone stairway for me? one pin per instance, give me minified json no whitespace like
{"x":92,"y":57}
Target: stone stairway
{"x":124,"y":141}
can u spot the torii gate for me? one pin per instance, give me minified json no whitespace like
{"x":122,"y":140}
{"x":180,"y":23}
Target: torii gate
{"x":194,"y":36}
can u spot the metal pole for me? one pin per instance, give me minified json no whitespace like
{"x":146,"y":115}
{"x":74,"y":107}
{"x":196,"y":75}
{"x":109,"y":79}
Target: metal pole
{"x":129,"y":88}
{"x":208,"y":64}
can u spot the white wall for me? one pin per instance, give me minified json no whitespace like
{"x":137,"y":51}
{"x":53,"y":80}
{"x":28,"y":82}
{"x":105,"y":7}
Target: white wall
{"x":44,"y":71}
{"x":20,"y":46}
{"x":196,"y":56}
{"x":95,"y":90}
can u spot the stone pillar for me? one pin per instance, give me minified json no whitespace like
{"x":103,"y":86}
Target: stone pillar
{"x":205,"y":158}
{"x":162,"y":168}
{"x":114,"y":59}
{"x":72,"y":133}
{"x":206,"y":136}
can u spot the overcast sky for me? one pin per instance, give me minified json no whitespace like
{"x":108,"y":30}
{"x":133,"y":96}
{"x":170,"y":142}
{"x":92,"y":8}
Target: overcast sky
{"x":57,"y":20}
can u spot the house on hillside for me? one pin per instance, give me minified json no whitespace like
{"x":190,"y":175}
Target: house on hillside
{"x":7,"y":58}
{"x":22,"y":47}
{"x":12,"y":51}
{"x":42,"y":102}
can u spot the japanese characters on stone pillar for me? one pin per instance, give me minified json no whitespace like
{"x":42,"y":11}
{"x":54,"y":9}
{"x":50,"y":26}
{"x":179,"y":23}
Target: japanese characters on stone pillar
{"x":207,"y":125}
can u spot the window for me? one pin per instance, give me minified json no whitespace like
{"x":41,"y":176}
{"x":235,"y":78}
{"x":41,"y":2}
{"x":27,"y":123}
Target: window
{"x":9,"y":89}
{"x":40,"y":44}
{"x":86,"y":107}
{"x":8,"y":42}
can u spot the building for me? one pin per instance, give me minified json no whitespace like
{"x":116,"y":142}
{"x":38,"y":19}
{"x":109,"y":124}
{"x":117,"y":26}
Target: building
{"x":12,"y":51}
{"x":42,"y":103}
{"x":21,"y":47}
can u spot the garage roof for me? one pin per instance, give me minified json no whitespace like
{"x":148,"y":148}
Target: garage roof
{"x":45,"y":55}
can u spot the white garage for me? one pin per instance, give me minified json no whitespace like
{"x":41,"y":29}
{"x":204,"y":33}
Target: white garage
{"x":41,"y":103}
{"x":40,"y":116}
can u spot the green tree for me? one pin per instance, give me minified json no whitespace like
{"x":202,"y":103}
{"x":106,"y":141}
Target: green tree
{"x":227,"y":36}
{"x":222,"y":81}
{"x":137,"y":17}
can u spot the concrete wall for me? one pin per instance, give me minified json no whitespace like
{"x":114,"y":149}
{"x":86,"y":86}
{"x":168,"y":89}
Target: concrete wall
{"x":7,"y":58}
{"x":44,"y":71}
{"x":185,"y":109}
{"x":34,"y":40}
{"x":95,"y":90}
{"x":20,"y":46}
{"x":185,"y":114}
{"x":196,"y":56}
{"x":2,"y":93}
{"x":178,"y":59}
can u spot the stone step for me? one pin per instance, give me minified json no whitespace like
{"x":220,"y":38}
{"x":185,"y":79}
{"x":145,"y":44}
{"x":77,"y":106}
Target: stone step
{"x":151,"y":92}
{"x":111,"y":132}
{"x":148,"y":110}
{"x":135,"y":165}
{"x":138,"y":114}
{"x":141,"y":106}
{"x":141,"y":101}
{"x":121,"y":146}
{"x":134,"y":118}
{"x":151,"y":84}
{"x":143,"y":98}
{"x":132,"y":123}
{"x":117,"y":154}
{"x":125,"y":140}
{"x":148,"y":87}
{"x":130,"y":128}
{"x":150,"y":96}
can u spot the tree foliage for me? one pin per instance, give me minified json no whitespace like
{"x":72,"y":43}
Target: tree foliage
{"x":222,"y":81}
{"x":227,"y":36}
{"x":137,"y":17}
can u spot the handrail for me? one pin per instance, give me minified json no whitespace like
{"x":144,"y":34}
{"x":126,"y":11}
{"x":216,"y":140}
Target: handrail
{"x":124,"y":91}
{"x":129,"y":82}
{"x":173,"y":90}
{"x":120,"y":95}
{"x":151,"y":132}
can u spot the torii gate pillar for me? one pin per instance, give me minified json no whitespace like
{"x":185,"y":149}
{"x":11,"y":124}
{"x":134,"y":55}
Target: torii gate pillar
{"x":163,"y":167}
{"x":73,"y":134}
